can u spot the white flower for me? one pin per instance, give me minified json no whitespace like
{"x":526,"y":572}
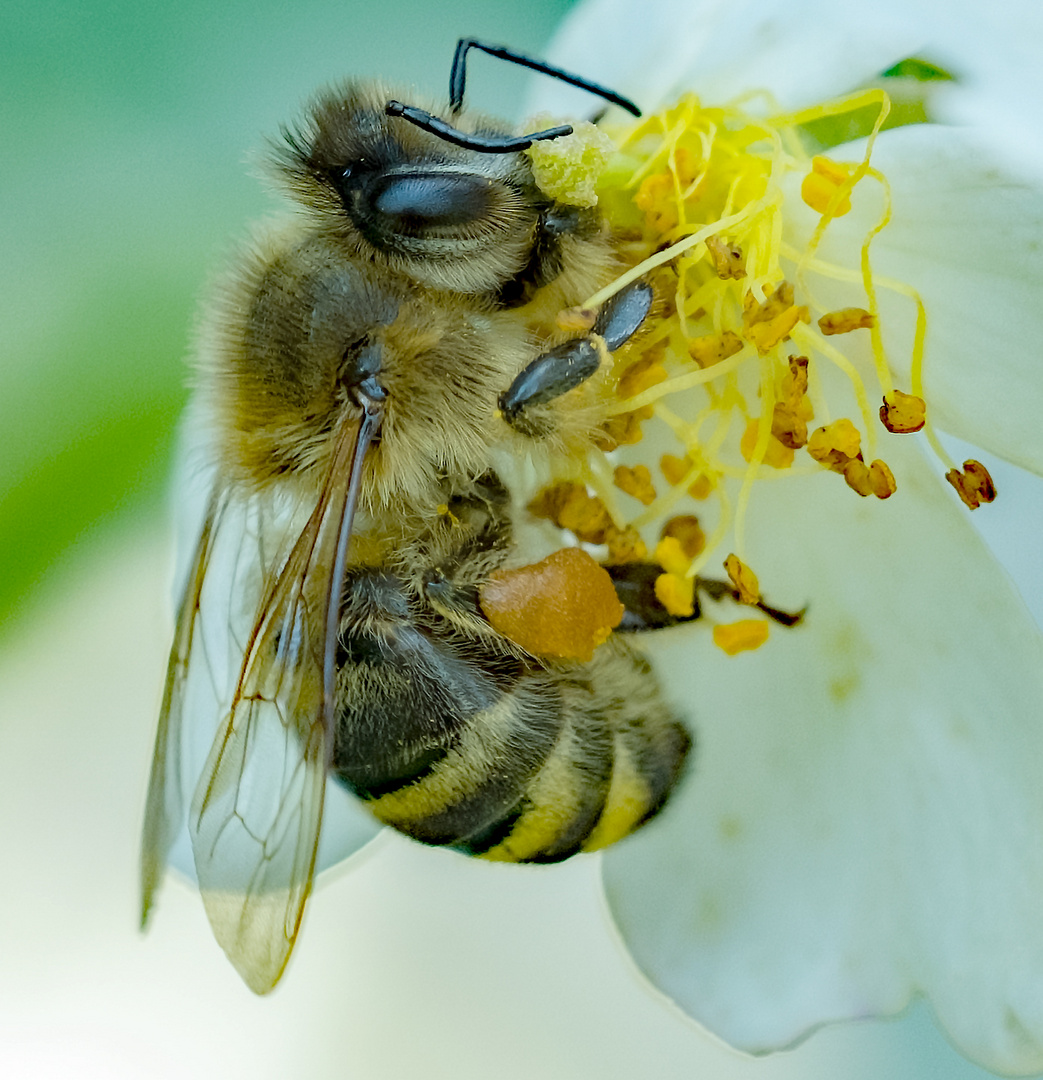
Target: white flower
{"x":865,"y":820}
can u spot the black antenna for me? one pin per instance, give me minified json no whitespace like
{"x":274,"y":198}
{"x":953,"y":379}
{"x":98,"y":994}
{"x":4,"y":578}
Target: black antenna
{"x":486,"y":144}
{"x":497,"y":144}
{"x":458,"y":74}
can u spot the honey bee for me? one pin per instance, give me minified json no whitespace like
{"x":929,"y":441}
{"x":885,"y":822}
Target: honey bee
{"x":362,"y":370}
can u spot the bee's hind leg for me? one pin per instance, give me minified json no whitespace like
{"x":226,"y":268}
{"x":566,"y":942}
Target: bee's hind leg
{"x":567,"y":365}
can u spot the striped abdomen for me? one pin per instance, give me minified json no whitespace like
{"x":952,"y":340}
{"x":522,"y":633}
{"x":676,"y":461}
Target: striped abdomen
{"x":454,"y":742}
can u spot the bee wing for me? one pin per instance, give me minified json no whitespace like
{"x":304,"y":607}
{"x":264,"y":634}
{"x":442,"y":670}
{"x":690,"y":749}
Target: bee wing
{"x":241,"y":539}
{"x":257,"y":811}
{"x":164,"y":808}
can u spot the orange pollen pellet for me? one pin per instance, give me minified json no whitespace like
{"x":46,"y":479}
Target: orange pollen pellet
{"x":902,"y":413}
{"x":687,"y":531}
{"x":821,"y":184}
{"x":728,"y":259}
{"x":845,"y":320}
{"x":636,"y":481}
{"x":742,"y":636}
{"x":974,"y":485}
{"x":713,"y":348}
{"x":744,"y":579}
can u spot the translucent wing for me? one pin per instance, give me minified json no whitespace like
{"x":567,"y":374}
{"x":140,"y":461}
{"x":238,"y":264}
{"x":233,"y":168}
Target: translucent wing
{"x":240,"y":540}
{"x":164,"y":809}
{"x":256,"y":814}
{"x":246,"y":712}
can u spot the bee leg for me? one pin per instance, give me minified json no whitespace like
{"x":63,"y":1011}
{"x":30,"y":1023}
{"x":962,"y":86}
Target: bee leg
{"x":571,"y":363}
{"x":635,"y":587}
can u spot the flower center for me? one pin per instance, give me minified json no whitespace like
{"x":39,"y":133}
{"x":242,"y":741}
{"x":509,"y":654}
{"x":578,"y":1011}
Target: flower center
{"x":723,"y":390}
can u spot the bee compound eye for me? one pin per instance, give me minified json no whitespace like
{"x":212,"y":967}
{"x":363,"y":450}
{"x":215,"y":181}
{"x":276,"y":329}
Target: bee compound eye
{"x":432,"y":200}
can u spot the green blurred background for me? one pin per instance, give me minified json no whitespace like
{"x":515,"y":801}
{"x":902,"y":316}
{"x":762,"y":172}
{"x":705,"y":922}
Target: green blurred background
{"x":127,"y":133}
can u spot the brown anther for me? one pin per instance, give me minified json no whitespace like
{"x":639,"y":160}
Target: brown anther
{"x":645,"y":373}
{"x":744,"y":580}
{"x":834,"y":445}
{"x":845,"y":320}
{"x":776,"y":454}
{"x":728,"y":259}
{"x":881,"y":479}
{"x":788,"y":427}
{"x":974,"y":485}
{"x":713,"y":348}
{"x":656,"y":197}
{"x":625,"y":545}
{"x":575,"y":320}
{"x":770,"y":322}
{"x":856,"y":472}
{"x":636,"y":481}
{"x":687,"y":531}
{"x":569,"y":507}
{"x":623,"y":430}
{"x":902,"y":413}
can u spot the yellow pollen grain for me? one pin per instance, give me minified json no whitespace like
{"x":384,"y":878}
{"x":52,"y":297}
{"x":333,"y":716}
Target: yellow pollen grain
{"x":744,"y":580}
{"x":845,"y":320}
{"x":820,"y":187}
{"x":676,"y":593}
{"x":903,"y":413}
{"x":742,"y":636}
{"x":636,"y":481}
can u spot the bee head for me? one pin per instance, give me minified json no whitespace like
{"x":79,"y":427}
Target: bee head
{"x":450,"y":217}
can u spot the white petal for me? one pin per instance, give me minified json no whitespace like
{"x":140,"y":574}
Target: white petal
{"x":969,"y":237}
{"x":801,"y":52}
{"x":864,"y":816}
